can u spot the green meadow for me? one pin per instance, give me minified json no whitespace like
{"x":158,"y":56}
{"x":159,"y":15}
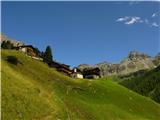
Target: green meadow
{"x":33,"y":91}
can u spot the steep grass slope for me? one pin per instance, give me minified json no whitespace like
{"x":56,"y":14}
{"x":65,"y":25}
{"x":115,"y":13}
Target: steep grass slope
{"x":147,"y":84}
{"x":33,"y":91}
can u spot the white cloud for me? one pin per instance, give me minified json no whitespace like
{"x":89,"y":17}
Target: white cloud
{"x":156,"y":14}
{"x":154,"y":24}
{"x":130,"y":20}
{"x":146,"y":21}
{"x":122,"y":19}
{"x":133,"y":20}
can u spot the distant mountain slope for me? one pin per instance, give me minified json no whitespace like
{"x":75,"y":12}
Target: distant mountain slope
{"x":146,"y":83}
{"x":134,"y":62}
{"x":33,"y":91}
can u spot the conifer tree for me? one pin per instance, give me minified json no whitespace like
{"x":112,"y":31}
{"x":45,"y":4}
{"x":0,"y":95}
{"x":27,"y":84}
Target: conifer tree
{"x":47,"y":57}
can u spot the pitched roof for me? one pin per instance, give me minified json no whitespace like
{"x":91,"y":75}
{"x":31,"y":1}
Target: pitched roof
{"x":26,"y":46}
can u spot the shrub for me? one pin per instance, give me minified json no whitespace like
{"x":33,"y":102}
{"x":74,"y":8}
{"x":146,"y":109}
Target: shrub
{"x":12,"y":59}
{"x":6,"y":45}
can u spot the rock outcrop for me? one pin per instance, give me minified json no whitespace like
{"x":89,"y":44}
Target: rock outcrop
{"x":135,"y":61}
{"x":14,"y":42}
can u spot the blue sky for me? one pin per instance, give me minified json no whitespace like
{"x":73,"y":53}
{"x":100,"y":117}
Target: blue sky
{"x":85,"y":32}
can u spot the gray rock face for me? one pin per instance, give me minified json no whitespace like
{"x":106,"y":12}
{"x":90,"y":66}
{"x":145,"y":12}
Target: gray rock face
{"x":134,"y":55}
{"x":156,"y":60}
{"x":84,"y":66}
{"x":134,"y":62}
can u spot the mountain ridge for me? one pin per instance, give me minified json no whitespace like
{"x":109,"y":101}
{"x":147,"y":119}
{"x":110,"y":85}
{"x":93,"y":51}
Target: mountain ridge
{"x":133,"y":62}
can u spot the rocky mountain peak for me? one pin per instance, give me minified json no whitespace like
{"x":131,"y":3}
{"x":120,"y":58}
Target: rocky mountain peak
{"x":81,"y":67}
{"x":135,"y":55}
{"x":135,"y":61}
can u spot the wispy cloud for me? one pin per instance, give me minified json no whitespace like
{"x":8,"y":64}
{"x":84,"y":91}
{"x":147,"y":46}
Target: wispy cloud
{"x":154,"y":24}
{"x":133,"y":2}
{"x":129,"y":20}
{"x":122,"y":19}
{"x":146,"y":21}
{"x":156,"y":14}
{"x":134,"y":20}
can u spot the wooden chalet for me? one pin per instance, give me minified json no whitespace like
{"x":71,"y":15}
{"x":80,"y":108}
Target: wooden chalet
{"x":28,"y":49}
{"x":61,"y":68}
{"x":91,"y":73}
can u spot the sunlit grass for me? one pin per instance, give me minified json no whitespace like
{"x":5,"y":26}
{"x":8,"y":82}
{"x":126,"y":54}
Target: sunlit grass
{"x":33,"y":91}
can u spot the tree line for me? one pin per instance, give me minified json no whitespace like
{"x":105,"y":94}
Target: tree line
{"x":148,"y":84}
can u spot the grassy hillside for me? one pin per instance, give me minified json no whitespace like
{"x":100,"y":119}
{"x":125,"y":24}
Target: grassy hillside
{"x":148,"y":84}
{"x":33,"y":91}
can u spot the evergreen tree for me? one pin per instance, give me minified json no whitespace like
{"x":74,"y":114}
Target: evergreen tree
{"x":47,"y":57}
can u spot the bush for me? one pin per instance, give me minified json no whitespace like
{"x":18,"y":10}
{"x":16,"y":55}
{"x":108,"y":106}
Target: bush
{"x":6,"y":45}
{"x":12,"y":59}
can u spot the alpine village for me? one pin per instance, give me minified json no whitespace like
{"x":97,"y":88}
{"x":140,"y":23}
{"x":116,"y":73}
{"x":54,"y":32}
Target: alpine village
{"x":46,"y":57}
